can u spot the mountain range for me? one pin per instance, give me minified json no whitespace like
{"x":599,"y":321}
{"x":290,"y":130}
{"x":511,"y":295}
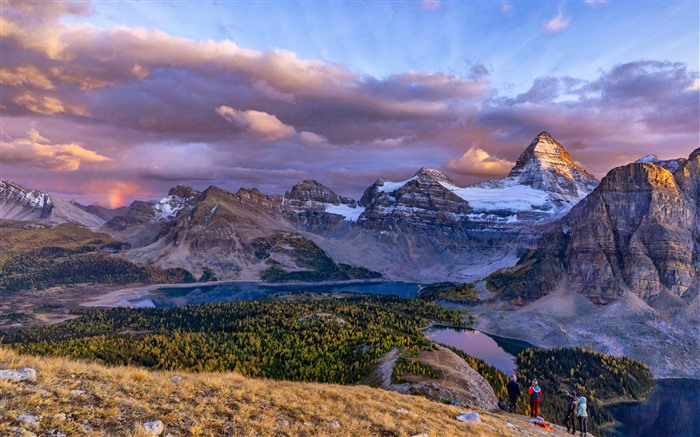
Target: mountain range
{"x":614,"y":263}
{"x":422,"y":229}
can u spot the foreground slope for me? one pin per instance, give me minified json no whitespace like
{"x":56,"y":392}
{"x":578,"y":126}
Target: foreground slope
{"x":80,"y":398}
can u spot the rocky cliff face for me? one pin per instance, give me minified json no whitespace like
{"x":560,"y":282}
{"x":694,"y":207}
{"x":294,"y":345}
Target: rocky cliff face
{"x":316,"y":208}
{"x":638,"y":231}
{"x":420,"y":200}
{"x":19,"y":203}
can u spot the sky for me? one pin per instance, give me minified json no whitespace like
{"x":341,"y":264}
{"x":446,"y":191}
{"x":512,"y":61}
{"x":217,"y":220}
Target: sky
{"x":106,"y":102}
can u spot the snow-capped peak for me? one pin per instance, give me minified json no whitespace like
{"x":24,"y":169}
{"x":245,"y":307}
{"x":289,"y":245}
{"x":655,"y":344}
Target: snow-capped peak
{"x":431,"y":174}
{"x":545,"y":165}
{"x":669,"y":164}
{"x":649,"y":159}
{"x":178,"y":198}
{"x":30,"y":198}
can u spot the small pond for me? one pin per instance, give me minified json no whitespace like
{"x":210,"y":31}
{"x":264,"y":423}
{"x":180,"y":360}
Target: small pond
{"x":497,"y":351}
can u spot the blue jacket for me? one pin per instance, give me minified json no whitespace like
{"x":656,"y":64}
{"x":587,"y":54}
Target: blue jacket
{"x":582,"y":407}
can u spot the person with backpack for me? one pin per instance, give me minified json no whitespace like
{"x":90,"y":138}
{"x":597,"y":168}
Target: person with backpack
{"x":582,"y":416}
{"x":535,"y":393}
{"x":571,"y":413}
{"x":513,"y":393}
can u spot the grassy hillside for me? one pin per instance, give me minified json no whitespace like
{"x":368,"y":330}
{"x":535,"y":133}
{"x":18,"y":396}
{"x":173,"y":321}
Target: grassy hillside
{"x":115,"y":401}
{"x":40,"y":256}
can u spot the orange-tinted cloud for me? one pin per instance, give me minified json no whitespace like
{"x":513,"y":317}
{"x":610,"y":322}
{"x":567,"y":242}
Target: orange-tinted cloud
{"x":37,"y":150}
{"x":477,"y":161}
{"x":261,"y":124}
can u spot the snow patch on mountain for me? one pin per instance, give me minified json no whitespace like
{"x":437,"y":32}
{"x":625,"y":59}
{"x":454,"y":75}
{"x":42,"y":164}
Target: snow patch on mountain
{"x":348,"y":212}
{"x":671,"y":164}
{"x":516,"y":198}
{"x":390,"y":187}
{"x":168,"y":207}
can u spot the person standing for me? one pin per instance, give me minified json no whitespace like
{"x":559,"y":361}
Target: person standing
{"x":513,"y":393}
{"x":535,"y":393}
{"x":582,"y":415}
{"x":571,"y":413}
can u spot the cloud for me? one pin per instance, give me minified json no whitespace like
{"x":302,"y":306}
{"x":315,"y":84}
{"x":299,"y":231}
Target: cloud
{"x":477,"y":161}
{"x":430,"y":5}
{"x":559,"y":23}
{"x":393,"y":142}
{"x":506,"y":7}
{"x":45,"y":105}
{"x":595,"y":2}
{"x":261,"y":124}
{"x":38,"y":151}
{"x":147,"y":100}
{"x":25,"y":76}
{"x":312,"y":139}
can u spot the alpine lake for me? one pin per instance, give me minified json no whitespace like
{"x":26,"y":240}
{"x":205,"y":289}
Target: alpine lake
{"x":672,"y":406}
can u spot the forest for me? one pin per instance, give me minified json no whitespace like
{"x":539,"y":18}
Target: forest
{"x":463,"y":293}
{"x":307,"y":338}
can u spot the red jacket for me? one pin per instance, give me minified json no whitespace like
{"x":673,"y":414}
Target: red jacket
{"x":534,"y":394}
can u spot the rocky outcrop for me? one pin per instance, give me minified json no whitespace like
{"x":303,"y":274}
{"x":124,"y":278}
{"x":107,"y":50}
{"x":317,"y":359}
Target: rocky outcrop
{"x":178,"y":199}
{"x":316,"y":208}
{"x":638,"y":231}
{"x":24,"y":374}
{"x":420,"y":200}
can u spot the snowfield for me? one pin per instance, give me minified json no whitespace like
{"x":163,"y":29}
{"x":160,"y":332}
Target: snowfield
{"x":515,"y":198}
{"x":349,"y":213}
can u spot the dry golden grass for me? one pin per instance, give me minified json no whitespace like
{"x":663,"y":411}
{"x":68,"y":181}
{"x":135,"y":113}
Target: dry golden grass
{"x":117,"y":400}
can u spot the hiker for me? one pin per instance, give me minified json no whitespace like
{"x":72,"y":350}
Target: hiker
{"x":535,"y":392}
{"x":513,"y":393}
{"x":571,"y":413}
{"x":582,"y":416}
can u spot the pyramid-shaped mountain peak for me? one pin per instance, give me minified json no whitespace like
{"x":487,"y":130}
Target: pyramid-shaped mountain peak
{"x":432,"y":174}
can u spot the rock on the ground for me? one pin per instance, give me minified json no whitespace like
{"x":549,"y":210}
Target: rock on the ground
{"x":25,"y":374}
{"x":28,"y":419}
{"x":21,"y":432}
{"x":469,"y":417}
{"x":176,"y":379}
{"x":155,"y":427}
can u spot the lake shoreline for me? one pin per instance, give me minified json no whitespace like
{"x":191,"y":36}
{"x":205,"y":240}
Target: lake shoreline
{"x":113,"y":298}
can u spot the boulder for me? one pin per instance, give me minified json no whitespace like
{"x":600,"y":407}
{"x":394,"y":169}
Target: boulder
{"x":469,"y":417}
{"x":25,"y":374}
{"x":28,"y":420}
{"x":155,"y":427}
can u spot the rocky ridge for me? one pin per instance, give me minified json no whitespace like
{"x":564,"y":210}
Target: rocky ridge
{"x":19,"y":203}
{"x":423,"y":229}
